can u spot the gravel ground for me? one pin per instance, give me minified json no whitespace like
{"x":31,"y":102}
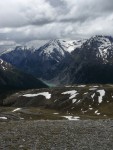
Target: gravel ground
{"x":57,"y":135}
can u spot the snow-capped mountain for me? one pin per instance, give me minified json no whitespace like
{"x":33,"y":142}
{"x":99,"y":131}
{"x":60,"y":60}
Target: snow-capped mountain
{"x":91,"y":63}
{"x":102,"y":46}
{"x":12,"y":78}
{"x":41,"y":61}
{"x":71,"y":45}
{"x":86,"y":61}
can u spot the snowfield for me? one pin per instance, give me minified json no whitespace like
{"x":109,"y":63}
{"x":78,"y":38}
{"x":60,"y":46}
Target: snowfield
{"x":46,"y":94}
{"x":17,"y":109}
{"x":72,"y":118}
{"x":72,"y":93}
{"x":4,"y":118}
{"x":102,"y":93}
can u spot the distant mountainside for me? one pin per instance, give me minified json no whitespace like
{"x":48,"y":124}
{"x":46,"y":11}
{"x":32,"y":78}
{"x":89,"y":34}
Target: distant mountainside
{"x":91,"y":63}
{"x":67,"y":62}
{"x":11,"y":78}
{"x":41,"y":62}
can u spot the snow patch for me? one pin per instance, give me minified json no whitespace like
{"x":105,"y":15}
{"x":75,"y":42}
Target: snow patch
{"x":55,"y":113}
{"x":72,"y":117}
{"x":46,"y":94}
{"x":95,"y":86}
{"x":85,"y":93}
{"x":91,"y":89}
{"x":93,"y":95}
{"x":74,"y":100}
{"x":90,"y":108}
{"x":72,"y":93}
{"x":4,"y":118}
{"x":1,"y":61}
{"x":102,"y":93}
{"x":17,"y":109}
{"x":81,"y":86}
{"x":97,"y":113}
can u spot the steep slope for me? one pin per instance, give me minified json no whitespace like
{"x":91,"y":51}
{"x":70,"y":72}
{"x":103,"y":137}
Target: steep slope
{"x":43,"y":61}
{"x":92,"y":63}
{"x":11,"y":78}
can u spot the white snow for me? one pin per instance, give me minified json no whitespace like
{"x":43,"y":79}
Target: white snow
{"x":55,"y":113}
{"x":97,"y":113}
{"x":84,"y":111}
{"x":46,"y":94}
{"x":1,"y":61}
{"x":17,"y":109}
{"x":3,"y":65}
{"x":55,"y":100}
{"x":49,"y":49}
{"x":72,"y":117}
{"x":81,"y":85}
{"x":102,"y":93}
{"x":104,"y":46}
{"x":90,"y":108}
{"x":85,"y":93}
{"x":78,"y":101}
{"x":91,"y":89}
{"x":93,"y":95}
{"x":95,"y":86}
{"x":74,"y":100}
{"x":71,"y":45}
{"x":72,"y":93}
{"x":4,"y":118}
{"x":4,"y":68}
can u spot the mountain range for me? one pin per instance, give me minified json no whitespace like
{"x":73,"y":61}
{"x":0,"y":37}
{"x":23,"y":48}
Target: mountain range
{"x":41,"y":62}
{"x":66,"y":62}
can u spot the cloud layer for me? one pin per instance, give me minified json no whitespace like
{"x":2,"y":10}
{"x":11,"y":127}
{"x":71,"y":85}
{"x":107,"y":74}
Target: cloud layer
{"x":24,"y":20}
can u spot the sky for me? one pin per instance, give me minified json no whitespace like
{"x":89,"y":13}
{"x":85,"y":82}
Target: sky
{"x":25,"y":20}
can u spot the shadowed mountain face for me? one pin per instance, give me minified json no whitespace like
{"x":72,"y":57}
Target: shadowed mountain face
{"x":92,"y":63}
{"x":11,"y":78}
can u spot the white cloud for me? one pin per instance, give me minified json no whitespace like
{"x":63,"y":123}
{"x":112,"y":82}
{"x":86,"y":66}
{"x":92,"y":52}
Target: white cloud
{"x":46,"y":19}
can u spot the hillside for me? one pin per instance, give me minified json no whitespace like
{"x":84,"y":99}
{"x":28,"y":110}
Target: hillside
{"x":12,"y":78}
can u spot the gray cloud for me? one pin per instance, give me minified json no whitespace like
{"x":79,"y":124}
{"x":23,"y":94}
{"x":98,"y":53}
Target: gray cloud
{"x":23,"y":20}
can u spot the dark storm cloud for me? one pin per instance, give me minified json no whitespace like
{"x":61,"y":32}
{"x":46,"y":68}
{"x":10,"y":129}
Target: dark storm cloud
{"x":45,"y":19}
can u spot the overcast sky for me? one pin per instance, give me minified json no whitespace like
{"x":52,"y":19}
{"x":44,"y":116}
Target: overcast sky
{"x":24,"y":20}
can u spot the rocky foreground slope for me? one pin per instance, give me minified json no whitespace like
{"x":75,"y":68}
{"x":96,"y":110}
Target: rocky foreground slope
{"x":57,"y":135}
